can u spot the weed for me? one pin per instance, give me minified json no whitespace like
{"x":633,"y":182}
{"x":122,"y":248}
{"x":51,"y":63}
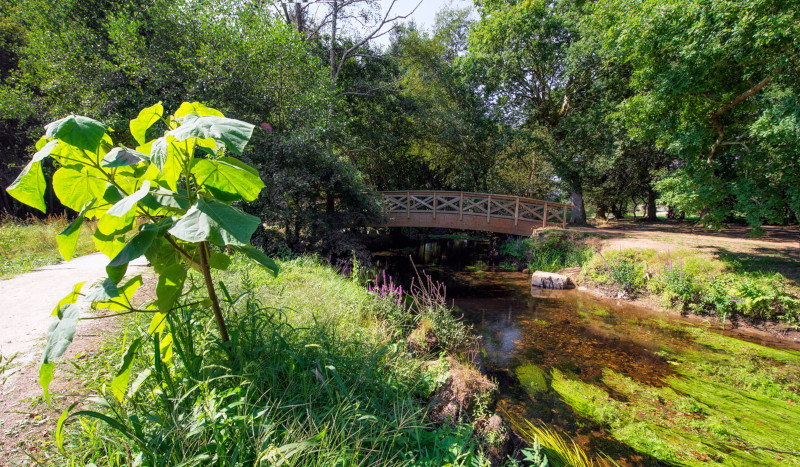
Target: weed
{"x":550,"y":251}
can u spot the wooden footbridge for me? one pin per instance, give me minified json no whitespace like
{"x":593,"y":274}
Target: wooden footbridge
{"x":471,"y":211}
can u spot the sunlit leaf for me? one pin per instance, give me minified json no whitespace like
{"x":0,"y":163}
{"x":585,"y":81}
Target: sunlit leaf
{"x":72,"y":297}
{"x":68,"y":239}
{"x":234,"y":133}
{"x":218,"y":223}
{"x":122,"y":157}
{"x":170,"y":286}
{"x":120,"y":382}
{"x":196,"y":108}
{"x":75,"y":188}
{"x":81,"y":132}
{"x":59,"y":336}
{"x":146,"y":118}
{"x":137,"y":245}
{"x":128,"y":203}
{"x":228,"y":179}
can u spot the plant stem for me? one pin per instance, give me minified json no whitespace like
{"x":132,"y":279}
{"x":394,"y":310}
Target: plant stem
{"x":212,"y":294}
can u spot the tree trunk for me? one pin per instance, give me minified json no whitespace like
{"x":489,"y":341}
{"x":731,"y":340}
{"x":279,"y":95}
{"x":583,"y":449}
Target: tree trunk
{"x":671,"y":212}
{"x":579,"y":211}
{"x":652,"y":210}
{"x":616,"y":209}
{"x":601,"y":211}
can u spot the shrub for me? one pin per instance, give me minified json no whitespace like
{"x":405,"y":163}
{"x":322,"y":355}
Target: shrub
{"x":550,"y":251}
{"x":625,"y":270}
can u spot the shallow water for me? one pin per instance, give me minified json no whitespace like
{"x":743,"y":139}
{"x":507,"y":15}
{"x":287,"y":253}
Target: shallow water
{"x":530,"y":334}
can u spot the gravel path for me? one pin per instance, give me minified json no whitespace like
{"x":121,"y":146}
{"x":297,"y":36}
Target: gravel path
{"x":27,"y":300}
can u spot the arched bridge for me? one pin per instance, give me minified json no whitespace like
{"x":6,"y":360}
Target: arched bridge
{"x":471,"y":211}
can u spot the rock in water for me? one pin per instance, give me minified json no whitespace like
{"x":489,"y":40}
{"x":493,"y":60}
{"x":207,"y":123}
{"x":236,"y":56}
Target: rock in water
{"x":549,"y":280}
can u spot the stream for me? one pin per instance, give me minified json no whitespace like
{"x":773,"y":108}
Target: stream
{"x":627,"y":383}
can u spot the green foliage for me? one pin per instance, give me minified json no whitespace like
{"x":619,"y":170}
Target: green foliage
{"x":314,"y":378}
{"x":160,"y":201}
{"x":712,"y":85}
{"x":697,"y":283}
{"x":549,"y":251}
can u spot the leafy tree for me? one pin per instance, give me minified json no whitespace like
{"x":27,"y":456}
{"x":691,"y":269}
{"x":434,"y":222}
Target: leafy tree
{"x":168,"y":200}
{"x":713,"y":83}
{"x":522,"y":52}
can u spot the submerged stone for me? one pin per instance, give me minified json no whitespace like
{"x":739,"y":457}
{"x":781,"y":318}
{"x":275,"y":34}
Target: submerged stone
{"x":550,"y":280}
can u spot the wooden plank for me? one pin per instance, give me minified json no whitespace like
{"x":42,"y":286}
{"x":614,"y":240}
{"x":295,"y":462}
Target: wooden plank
{"x":434,"y":205}
{"x":564,"y":219}
{"x":516,"y":212}
{"x":544,"y":216}
{"x":461,"y":207}
{"x":408,"y":204}
{"x":489,"y":209}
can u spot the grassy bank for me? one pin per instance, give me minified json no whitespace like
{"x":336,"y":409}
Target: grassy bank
{"x":29,"y":244}
{"x":316,"y":373}
{"x":694,"y":283}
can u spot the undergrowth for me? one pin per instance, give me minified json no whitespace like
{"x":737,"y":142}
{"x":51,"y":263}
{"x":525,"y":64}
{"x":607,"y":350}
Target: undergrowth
{"x":314,"y":374}
{"x":30,"y":244}
{"x":697,"y":284}
{"x":549,"y":250}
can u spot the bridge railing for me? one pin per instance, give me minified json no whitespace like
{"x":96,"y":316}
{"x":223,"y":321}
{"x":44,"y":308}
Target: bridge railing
{"x":476,"y":204}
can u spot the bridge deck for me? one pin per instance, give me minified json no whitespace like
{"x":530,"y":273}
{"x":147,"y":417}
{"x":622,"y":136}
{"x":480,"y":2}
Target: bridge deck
{"x":471,"y":211}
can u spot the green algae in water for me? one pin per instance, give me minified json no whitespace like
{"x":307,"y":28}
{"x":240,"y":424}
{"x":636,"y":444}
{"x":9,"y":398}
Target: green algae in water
{"x":730,"y":397}
{"x":533,"y":379}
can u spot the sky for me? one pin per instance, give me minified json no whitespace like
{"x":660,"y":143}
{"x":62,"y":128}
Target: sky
{"x":425,"y":14}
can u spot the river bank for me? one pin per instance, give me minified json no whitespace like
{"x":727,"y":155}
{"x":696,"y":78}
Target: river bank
{"x":638,"y":385}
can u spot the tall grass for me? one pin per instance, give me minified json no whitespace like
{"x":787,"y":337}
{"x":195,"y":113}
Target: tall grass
{"x":550,"y":251}
{"x":29,"y":244}
{"x":313,"y":375}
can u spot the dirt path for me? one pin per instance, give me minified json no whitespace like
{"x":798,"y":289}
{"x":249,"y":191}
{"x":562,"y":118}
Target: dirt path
{"x":26,"y":302}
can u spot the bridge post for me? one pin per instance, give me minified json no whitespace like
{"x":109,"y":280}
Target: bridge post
{"x":544,"y":215}
{"x":489,"y":209}
{"x":408,"y":204}
{"x":434,"y":204}
{"x":516,"y":212}
{"x":461,"y":207}
{"x":564,"y":218}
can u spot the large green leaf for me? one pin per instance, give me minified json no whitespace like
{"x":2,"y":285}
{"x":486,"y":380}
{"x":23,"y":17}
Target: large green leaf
{"x":122,"y":157}
{"x":128,"y":203}
{"x":167,"y":159}
{"x":228,"y":179}
{"x":234,"y":133}
{"x":108,"y":244}
{"x":122,"y":301}
{"x":59,"y":336}
{"x":218,"y":223}
{"x":120,"y":382}
{"x":146,"y":118}
{"x":170,"y":286}
{"x":29,"y":186}
{"x":81,"y":132}
{"x":137,"y":245}
{"x":196,"y":108}
{"x":68,"y":239}
{"x":75,"y":188}
{"x":259,"y":257}
{"x":166,"y":199}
